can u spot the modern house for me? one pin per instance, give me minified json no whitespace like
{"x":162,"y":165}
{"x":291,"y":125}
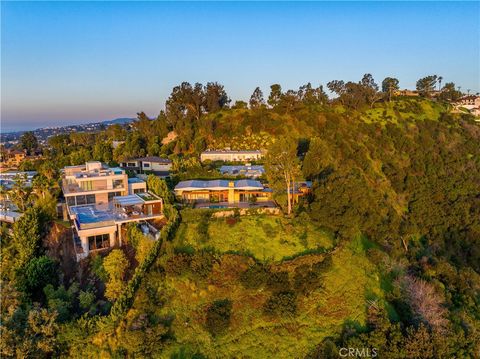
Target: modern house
{"x":93,"y":183}
{"x":231,"y":156}
{"x":222,"y":192}
{"x":99,"y":200}
{"x":151,"y":164}
{"x":246,"y":171}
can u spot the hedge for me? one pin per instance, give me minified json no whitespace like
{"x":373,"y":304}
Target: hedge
{"x":125,"y":300}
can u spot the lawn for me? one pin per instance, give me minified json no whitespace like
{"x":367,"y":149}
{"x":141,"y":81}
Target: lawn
{"x":267,"y":238}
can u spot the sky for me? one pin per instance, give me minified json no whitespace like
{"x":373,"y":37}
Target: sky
{"x":78,"y":62}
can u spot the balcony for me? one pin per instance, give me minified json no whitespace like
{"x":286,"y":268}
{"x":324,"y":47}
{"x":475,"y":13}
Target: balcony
{"x":69,"y":188}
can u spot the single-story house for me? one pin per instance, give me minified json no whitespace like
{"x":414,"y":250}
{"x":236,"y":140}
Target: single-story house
{"x":247,"y":171}
{"x":231,"y":156}
{"x":222,"y":191}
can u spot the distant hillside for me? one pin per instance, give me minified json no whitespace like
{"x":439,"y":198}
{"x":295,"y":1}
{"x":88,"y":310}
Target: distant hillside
{"x":120,"y":121}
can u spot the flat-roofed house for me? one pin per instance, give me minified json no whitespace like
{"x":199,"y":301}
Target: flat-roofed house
{"x":156,"y":165}
{"x":99,"y":200}
{"x":231,"y":156}
{"x":218,"y":191}
{"x":93,"y":183}
{"x":246,"y":171}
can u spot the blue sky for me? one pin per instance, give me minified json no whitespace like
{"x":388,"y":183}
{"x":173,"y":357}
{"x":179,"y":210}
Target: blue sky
{"x":72,"y":62}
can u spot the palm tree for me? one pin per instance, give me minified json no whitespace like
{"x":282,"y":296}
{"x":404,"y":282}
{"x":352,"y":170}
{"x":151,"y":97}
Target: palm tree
{"x":440,"y":78}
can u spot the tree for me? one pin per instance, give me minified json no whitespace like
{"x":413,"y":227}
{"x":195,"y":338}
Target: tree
{"x":115,"y":265}
{"x":389,"y":86}
{"x":27,"y":235}
{"x":440,"y":78}
{"x":215,"y":97}
{"x":426,"y":85}
{"x":312,"y":96}
{"x":257,"y":100}
{"x":283,"y":167}
{"x":370,"y":89}
{"x":337,"y":87}
{"x":275,"y":95}
{"x":20,"y":192}
{"x":38,"y":273}
{"x":450,"y":92}
{"x":29,"y":142}
{"x":159,"y":186}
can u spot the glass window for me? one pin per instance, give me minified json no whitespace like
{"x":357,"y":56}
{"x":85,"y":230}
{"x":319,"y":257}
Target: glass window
{"x":86,"y":185}
{"x":139,"y":190}
{"x":81,"y":200}
{"x":90,"y":198}
{"x":71,"y":201}
{"x":99,"y":242}
{"x":131,"y":164}
{"x":146,"y":165}
{"x":117,"y":183}
{"x":113,"y":194}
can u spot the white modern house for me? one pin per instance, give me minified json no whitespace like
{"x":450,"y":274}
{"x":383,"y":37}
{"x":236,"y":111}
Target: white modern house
{"x":151,"y":164}
{"x":231,"y":156}
{"x":99,"y":200}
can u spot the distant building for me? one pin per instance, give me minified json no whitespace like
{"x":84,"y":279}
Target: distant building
{"x":470,"y":103}
{"x":246,"y":171}
{"x":12,"y":158}
{"x":116,"y":144}
{"x":99,"y":200}
{"x":8,"y":210}
{"x":406,"y":92}
{"x":152,"y":164}
{"x":231,"y":156}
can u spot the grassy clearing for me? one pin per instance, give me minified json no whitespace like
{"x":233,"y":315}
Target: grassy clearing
{"x":400,"y":110}
{"x":351,"y":280}
{"x":267,"y":238}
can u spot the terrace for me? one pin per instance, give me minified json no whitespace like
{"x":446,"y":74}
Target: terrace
{"x":76,"y":187}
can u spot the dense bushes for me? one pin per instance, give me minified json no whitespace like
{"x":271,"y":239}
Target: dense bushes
{"x":218,"y":316}
{"x":255,"y":276}
{"x":281,"y":303}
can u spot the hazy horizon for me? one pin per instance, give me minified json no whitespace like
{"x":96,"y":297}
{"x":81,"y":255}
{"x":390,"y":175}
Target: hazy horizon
{"x":79,"y":62}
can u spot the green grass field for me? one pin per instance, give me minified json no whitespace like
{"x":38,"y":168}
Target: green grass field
{"x":347,"y":285}
{"x":267,"y":238}
{"x":410,"y":108}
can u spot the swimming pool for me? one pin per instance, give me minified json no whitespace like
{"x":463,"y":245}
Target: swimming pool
{"x":89,"y":214}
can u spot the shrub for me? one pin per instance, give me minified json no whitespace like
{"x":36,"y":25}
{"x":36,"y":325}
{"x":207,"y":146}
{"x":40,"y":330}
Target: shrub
{"x":178,"y":264}
{"x":218,"y":316}
{"x":201,"y":264}
{"x":323,"y":266}
{"x":38,"y":273}
{"x":231,"y":221}
{"x":278,"y":281}
{"x":281,"y":303}
{"x":255,"y":276}
{"x":306,"y":280}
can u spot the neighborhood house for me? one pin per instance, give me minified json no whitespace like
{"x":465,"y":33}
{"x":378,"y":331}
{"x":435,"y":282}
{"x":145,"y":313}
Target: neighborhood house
{"x":99,"y":200}
{"x":246,"y":171}
{"x":152,"y":164}
{"x":222,"y":191}
{"x":231,"y":156}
